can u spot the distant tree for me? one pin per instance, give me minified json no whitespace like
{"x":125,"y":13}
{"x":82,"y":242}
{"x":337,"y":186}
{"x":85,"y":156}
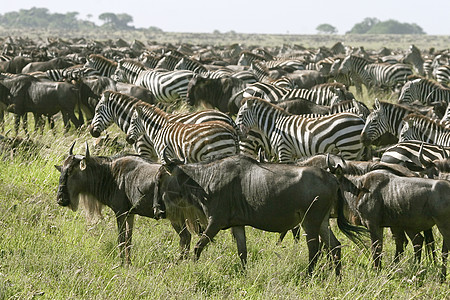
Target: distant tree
{"x":119,"y":21}
{"x":326,"y":28}
{"x":375,"y":26}
{"x":364,"y":26}
{"x":216,"y":31}
{"x":395,"y":27}
{"x":155,"y":29}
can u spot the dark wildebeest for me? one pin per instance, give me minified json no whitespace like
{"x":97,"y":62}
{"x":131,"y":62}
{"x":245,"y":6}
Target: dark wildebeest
{"x":300,"y":106}
{"x":29,"y":94}
{"x":123,"y":183}
{"x":55,"y":63}
{"x":214,"y":93}
{"x":359,"y":168}
{"x":15,"y":65}
{"x":411,"y":204}
{"x":237,"y":191}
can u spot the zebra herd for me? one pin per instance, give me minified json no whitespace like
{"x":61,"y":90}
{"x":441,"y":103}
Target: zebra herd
{"x":265,"y":85}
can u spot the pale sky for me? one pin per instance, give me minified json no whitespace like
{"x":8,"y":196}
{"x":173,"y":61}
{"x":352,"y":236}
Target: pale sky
{"x":262,"y":16}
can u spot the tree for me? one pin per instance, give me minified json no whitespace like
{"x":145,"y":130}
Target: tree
{"x":364,"y":26}
{"x":326,"y":28}
{"x":119,"y":21}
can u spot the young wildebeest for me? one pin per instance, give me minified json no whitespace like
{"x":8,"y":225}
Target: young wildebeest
{"x":381,"y":199}
{"x":237,"y":191}
{"x":124,"y":183}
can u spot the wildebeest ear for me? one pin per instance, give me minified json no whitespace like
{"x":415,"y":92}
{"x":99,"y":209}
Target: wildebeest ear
{"x":83,"y":164}
{"x":59,"y":168}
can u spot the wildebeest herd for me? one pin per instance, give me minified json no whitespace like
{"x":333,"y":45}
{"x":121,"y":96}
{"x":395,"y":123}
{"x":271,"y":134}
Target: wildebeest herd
{"x":272,"y":138}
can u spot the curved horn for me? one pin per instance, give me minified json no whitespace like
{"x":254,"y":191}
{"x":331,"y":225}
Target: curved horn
{"x":71,"y":148}
{"x":165,"y":157}
{"x":423,"y":161}
{"x":331,"y":167}
{"x":87,"y":150}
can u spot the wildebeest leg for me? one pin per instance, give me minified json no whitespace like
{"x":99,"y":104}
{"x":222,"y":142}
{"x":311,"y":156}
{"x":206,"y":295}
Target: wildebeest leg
{"x":417,"y":241}
{"x":400,"y":241}
{"x":207,"y":236}
{"x":331,"y":242}
{"x":185,"y":238}
{"x":312,"y":240}
{"x":430,"y":243}
{"x":376,"y":236}
{"x":125,"y":223}
{"x":239,"y":235}
{"x":445,"y":247}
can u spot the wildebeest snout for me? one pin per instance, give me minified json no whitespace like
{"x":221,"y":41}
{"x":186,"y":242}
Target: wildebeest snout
{"x":62,"y":198}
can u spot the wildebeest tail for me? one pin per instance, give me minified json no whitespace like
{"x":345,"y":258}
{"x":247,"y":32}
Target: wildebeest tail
{"x":356,"y":234}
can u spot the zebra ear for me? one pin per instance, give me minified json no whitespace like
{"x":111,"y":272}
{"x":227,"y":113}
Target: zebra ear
{"x":376,"y":104}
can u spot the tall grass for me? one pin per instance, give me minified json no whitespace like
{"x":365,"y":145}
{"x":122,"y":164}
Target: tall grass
{"x":50,"y":252}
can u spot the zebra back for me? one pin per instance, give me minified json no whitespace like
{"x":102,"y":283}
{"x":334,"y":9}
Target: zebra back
{"x":105,"y":66}
{"x":422,"y":128}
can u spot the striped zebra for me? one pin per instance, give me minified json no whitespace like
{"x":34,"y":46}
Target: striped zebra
{"x":421,"y":128}
{"x":105,"y":66}
{"x":186,"y":142}
{"x":442,"y":74}
{"x":292,"y":137}
{"x":167,"y":86}
{"x":274,"y":94}
{"x":115,"y":107}
{"x":407,"y":154}
{"x":414,"y":58}
{"x":424,"y":90}
{"x":385,"y":117}
{"x":375,"y":75}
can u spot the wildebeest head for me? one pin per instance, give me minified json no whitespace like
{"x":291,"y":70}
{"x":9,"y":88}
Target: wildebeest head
{"x":198,"y":90}
{"x":73,"y":178}
{"x":175,"y":188}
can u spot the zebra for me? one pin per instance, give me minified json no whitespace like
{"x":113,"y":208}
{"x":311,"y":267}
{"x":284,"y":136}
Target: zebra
{"x":186,"y":142}
{"x":424,"y":90}
{"x":375,"y":75}
{"x":442,"y":74}
{"x":414,"y":58}
{"x":407,"y":154}
{"x":353,"y":106}
{"x":422,"y":128}
{"x":273,"y":93}
{"x":385,"y":117}
{"x":292,"y":136}
{"x":105,"y":66}
{"x":115,"y":107}
{"x":165,"y":85}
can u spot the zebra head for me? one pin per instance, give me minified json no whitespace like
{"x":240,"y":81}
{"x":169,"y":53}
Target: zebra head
{"x":103,"y":117}
{"x":136,"y":128}
{"x":246,"y":116}
{"x":376,"y":124}
{"x":405,"y":93}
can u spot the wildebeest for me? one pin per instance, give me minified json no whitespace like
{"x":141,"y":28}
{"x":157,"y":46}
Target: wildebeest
{"x":237,"y":191}
{"x":214,"y":93}
{"x":124,"y":183}
{"x":381,"y":199}
{"x":55,"y":63}
{"x":29,"y":94}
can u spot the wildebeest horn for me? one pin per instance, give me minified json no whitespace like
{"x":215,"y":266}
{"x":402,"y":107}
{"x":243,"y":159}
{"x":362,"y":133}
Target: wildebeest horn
{"x":71,"y":148}
{"x":166,"y":159}
{"x":423,"y":161}
{"x":87,"y":150}
{"x":331,"y":167}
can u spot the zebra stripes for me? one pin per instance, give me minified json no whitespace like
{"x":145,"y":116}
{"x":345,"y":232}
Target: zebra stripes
{"x":115,"y":107}
{"x":166,"y":86}
{"x":421,"y":128}
{"x":186,"y":142}
{"x":385,"y":117}
{"x":105,"y":66}
{"x":425,"y":91}
{"x":407,"y":154}
{"x":374,"y":75}
{"x":293,"y":137}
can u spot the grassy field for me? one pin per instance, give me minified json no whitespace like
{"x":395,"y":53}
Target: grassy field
{"x":50,"y":252}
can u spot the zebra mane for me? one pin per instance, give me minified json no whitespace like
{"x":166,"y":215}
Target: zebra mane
{"x":149,"y":109}
{"x":430,"y":83}
{"x":99,"y":57}
{"x":384,"y":104}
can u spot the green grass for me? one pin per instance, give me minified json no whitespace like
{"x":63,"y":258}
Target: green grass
{"x":50,"y":252}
